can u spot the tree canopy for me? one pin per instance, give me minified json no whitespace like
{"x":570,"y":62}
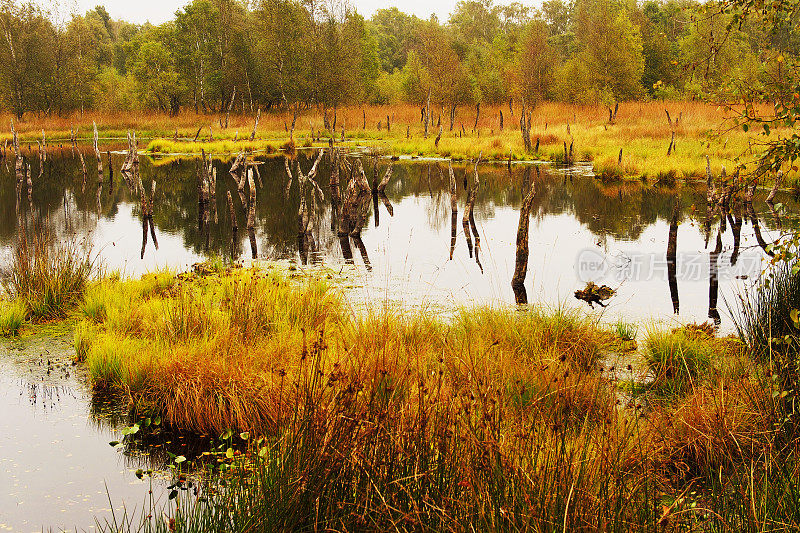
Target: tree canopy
{"x":220,"y":54}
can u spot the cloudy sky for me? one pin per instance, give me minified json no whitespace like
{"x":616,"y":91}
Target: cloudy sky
{"x":157,"y":11}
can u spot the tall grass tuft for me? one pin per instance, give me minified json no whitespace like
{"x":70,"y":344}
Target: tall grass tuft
{"x":49,"y":276}
{"x":678,"y":358}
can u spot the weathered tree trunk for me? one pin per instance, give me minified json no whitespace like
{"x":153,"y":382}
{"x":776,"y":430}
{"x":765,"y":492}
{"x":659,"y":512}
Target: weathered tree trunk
{"x":232,"y":212}
{"x":255,"y":126}
{"x":251,"y":206}
{"x":775,"y":187}
{"x":523,"y":252}
{"x":230,"y":106}
{"x":98,"y":155}
{"x":525,"y":127}
{"x":334,"y":187}
{"x":427,"y":113}
{"x":238,"y":173}
{"x":453,"y":209}
{"x":672,"y":247}
{"x":713,"y":281}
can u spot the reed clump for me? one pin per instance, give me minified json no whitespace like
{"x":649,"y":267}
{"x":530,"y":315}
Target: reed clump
{"x":49,"y":276}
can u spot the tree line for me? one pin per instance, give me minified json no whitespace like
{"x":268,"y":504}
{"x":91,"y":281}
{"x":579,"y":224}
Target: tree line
{"x":218,"y":55}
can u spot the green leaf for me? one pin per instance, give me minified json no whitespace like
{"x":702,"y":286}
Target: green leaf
{"x":244,"y":435}
{"x":229,"y":453}
{"x":228,"y":434}
{"x":263,"y":452}
{"x":115,"y":444}
{"x":131,"y":430}
{"x":140,"y":473}
{"x":794,"y":314}
{"x":180,"y":459}
{"x":157,"y":421}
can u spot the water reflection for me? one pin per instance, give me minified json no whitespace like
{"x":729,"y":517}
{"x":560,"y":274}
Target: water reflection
{"x":191,"y":215}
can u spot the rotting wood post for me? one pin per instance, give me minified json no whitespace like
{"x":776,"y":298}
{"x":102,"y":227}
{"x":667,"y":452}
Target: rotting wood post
{"x":83,"y":166}
{"x":453,"y":208}
{"x":230,"y":106}
{"x":29,"y":184}
{"x":669,"y":119}
{"x":98,"y":155}
{"x":775,"y":187}
{"x":255,"y":126}
{"x":334,"y":187}
{"x":619,"y":158}
{"x":438,"y":138}
{"x":672,"y":246}
{"x":388,"y":124}
{"x":41,"y":161}
{"x":196,"y":135}
{"x":232,"y":212}
{"x":523,"y":251}
{"x":110,"y":168}
{"x":710,"y":189}
{"x":251,"y":211}
{"x":671,"y":144}
{"x":477,"y":114}
{"x":427,"y":113}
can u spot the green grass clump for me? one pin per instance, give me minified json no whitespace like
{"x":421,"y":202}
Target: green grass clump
{"x":12,"y":317}
{"x":626,"y":331}
{"x":678,"y":358}
{"x":49,"y":277}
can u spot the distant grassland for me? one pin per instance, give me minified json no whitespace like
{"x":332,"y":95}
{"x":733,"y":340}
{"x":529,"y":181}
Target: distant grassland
{"x":641,"y":130}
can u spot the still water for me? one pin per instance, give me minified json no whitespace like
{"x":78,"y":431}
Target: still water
{"x":580,"y":230}
{"x":56,"y":466}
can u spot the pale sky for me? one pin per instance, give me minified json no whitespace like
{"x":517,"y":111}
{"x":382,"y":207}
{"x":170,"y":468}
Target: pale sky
{"x":158,"y":11}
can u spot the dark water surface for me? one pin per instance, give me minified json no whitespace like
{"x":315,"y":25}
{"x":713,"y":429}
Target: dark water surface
{"x":55,"y":461}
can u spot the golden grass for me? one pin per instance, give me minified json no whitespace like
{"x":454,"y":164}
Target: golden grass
{"x":498,"y":415}
{"x":641,"y":130}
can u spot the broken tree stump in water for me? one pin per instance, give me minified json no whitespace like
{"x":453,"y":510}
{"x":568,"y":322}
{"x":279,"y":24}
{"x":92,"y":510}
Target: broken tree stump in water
{"x":130,"y":167}
{"x":251,"y":206}
{"x":453,"y":208}
{"x":672,"y":264}
{"x":523,"y":251}
{"x":237,"y":172}
{"x":775,"y":187}
{"x":98,"y":155}
{"x":255,"y":126}
{"x":232,"y":211}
